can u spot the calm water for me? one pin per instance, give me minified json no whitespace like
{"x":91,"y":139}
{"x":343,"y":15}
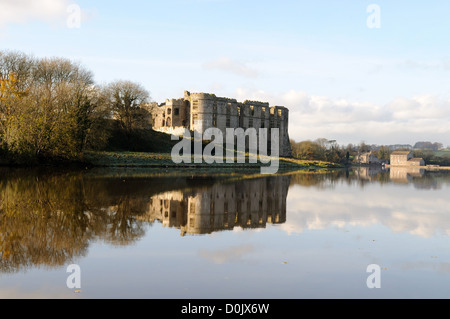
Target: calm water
{"x":138,"y":234}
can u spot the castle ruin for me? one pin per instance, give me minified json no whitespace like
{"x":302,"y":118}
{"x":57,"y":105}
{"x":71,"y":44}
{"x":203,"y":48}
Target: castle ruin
{"x":200,"y":111}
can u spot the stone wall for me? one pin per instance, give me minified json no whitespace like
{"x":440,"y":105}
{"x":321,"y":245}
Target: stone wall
{"x":405,"y":158}
{"x":400,"y":158}
{"x":200,"y":111}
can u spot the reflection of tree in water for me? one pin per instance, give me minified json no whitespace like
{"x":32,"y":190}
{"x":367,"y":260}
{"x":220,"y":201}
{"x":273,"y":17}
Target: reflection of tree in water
{"x":46,"y":220}
{"x":432,"y":180}
{"x":123,"y":229}
{"x":317,"y":179}
{"x":328,"y":179}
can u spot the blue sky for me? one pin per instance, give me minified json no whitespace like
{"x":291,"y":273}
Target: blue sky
{"x":340,"y":79}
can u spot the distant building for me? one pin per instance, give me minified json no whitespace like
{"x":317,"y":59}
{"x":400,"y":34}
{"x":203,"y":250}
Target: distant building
{"x":400,"y":158}
{"x":405,"y":158}
{"x":416,"y":162}
{"x":368,"y":158}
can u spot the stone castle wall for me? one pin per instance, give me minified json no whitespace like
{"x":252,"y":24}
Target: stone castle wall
{"x":200,"y":111}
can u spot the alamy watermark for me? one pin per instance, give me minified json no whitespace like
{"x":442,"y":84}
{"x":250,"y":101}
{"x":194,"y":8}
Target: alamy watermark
{"x":374,"y":279}
{"x":374,"y":19}
{"x":74,"y":18}
{"x":220,"y":147}
{"x":74,"y":279}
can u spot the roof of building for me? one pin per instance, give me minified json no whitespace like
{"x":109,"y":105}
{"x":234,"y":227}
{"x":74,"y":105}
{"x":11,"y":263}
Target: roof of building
{"x":416,"y":159}
{"x":400,"y":152}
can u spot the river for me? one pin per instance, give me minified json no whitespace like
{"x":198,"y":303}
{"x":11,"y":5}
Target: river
{"x":142,"y":233}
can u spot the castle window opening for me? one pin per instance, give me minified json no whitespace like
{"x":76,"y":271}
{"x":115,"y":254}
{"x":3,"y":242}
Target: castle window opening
{"x":176,"y":111}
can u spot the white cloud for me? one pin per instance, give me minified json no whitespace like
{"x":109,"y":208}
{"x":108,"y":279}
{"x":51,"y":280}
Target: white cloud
{"x":300,"y":98}
{"x":403,"y":120}
{"x":22,"y":11}
{"x":422,"y":107}
{"x":400,"y":121}
{"x":232,"y":66}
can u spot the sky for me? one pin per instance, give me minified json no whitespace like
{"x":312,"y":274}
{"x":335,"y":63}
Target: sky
{"x":352,"y":71}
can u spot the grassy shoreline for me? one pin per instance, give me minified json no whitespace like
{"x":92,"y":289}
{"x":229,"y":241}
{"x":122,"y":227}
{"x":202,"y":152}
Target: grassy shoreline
{"x":164,"y":160}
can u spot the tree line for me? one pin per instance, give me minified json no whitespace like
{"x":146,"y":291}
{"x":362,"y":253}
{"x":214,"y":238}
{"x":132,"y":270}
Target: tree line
{"x":328,"y":150}
{"x":428,"y":146}
{"x":51,"y":109}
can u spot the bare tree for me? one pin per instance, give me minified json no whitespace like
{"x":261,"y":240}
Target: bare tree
{"x":19,"y":64}
{"x":47,"y":106}
{"x":60,"y":104}
{"x":51,"y":108}
{"x":125,"y":99}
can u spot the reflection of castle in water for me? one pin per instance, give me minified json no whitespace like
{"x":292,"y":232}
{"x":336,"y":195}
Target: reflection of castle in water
{"x":246,"y":204}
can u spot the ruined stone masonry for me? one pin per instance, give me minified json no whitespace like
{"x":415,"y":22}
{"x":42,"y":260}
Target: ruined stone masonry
{"x":200,"y":111}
